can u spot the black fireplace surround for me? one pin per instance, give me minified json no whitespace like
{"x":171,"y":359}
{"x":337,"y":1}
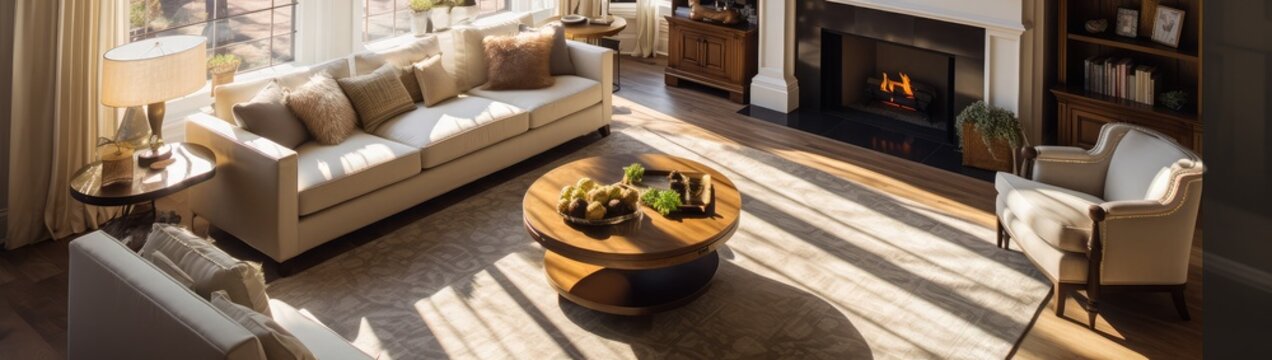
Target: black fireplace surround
{"x":843,"y":49}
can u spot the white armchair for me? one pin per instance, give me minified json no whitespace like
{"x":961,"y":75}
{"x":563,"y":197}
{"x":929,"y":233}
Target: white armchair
{"x":1120,"y":216}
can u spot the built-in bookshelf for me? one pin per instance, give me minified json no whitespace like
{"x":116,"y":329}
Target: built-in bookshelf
{"x":1086,"y":102}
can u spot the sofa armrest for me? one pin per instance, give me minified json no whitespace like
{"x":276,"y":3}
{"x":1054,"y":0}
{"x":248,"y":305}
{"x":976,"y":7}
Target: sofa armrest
{"x":119,"y":306}
{"x":1149,"y":241}
{"x":254,"y":193}
{"x":596,"y":63}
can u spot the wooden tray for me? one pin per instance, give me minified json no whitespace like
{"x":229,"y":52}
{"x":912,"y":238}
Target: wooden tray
{"x":701,"y":204}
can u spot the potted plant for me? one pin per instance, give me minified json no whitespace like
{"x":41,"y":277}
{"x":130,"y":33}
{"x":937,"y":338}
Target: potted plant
{"x":421,"y":12}
{"x":999,"y":135}
{"x":223,"y":67}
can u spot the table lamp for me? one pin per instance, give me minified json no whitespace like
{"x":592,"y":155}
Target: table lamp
{"x":150,"y":72}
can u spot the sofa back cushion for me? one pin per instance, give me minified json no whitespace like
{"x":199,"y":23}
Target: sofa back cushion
{"x":400,"y":56}
{"x":1141,"y":167}
{"x":470,"y":52}
{"x":211,"y":268}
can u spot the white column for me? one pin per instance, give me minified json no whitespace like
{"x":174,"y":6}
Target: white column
{"x":775,"y":86}
{"x":1002,"y":68}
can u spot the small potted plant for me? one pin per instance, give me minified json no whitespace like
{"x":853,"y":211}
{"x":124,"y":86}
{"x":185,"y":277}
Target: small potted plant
{"x":421,"y":17}
{"x":998,"y":132}
{"x":223,"y":67}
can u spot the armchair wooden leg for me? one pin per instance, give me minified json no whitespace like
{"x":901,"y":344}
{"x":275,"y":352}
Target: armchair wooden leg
{"x":1177,"y":294}
{"x":1093,"y":304}
{"x":604,"y":131}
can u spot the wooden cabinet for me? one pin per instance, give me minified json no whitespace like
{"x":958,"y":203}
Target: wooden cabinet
{"x":718,"y":56}
{"x":1082,"y":115}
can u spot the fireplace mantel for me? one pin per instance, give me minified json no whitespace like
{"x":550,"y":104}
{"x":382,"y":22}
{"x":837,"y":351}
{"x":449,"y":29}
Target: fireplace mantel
{"x":994,"y":15}
{"x":776,"y":87}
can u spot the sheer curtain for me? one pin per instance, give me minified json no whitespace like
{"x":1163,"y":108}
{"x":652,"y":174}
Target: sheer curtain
{"x":56,"y":114}
{"x":646,"y":28}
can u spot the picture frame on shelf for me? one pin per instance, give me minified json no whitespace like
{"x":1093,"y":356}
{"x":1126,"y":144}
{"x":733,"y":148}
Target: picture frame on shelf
{"x":1127,"y":22}
{"x":1167,"y":25}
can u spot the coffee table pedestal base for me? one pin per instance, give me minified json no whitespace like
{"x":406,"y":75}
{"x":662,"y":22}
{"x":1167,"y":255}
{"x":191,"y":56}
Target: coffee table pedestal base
{"x":629,"y":292}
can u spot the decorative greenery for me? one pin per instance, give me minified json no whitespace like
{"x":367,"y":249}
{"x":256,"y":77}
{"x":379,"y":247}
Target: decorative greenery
{"x":221,"y":63}
{"x":633,"y":174}
{"x":663,"y":201}
{"x":137,"y":11}
{"x":1175,"y":100}
{"x":992,"y":122}
{"x":422,"y":5}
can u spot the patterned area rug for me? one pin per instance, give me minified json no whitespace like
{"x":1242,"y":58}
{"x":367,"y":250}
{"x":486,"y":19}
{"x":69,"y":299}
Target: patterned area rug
{"x":819,"y":268}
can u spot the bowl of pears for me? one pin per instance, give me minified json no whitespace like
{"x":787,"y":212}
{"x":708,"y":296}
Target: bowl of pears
{"x":590,"y":203}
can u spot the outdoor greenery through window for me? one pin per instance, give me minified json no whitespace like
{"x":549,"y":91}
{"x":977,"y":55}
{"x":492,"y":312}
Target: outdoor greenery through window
{"x":260,"y":32}
{"x":382,"y":19}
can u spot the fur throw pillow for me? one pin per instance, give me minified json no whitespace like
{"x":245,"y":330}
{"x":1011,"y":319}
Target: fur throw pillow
{"x":519,"y":62}
{"x":324,"y":109}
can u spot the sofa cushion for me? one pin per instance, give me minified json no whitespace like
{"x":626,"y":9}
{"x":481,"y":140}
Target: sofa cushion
{"x":266,"y":115}
{"x":377,"y":96}
{"x":210,"y":267}
{"x":519,"y":62}
{"x":1057,"y":215}
{"x":330,"y":174}
{"x":400,"y":56}
{"x":433,"y":82}
{"x":277,"y":342}
{"x":316,"y":337}
{"x":455,"y":128}
{"x":324,"y":108}
{"x":470,"y":52}
{"x":1140,"y":168}
{"x":568,"y":95}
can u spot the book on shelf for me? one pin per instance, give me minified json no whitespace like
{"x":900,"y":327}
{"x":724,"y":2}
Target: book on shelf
{"x":1120,"y":78}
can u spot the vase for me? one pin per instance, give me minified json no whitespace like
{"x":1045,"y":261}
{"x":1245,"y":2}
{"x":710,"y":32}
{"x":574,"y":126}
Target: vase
{"x":441,"y":20}
{"x":421,"y":23}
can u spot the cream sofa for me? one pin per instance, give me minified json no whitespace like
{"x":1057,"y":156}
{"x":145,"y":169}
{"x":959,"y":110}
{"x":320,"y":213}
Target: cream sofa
{"x":120,"y":306}
{"x":1120,"y":216}
{"x":284,"y":202}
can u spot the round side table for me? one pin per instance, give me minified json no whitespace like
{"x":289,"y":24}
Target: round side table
{"x":192,"y":164}
{"x":597,"y":34}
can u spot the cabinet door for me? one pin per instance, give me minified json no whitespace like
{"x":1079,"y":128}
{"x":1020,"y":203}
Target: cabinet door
{"x":1085,"y":126}
{"x":715,"y":55}
{"x":690,"y":51}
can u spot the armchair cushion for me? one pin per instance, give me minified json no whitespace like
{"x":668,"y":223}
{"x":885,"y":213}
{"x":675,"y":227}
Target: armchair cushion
{"x":1141,"y":167}
{"x":330,"y":174}
{"x":1056,"y":215}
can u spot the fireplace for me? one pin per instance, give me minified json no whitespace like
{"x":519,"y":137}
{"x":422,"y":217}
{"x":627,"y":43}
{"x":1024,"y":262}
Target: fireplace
{"x":898,"y":72}
{"x":892,"y":77}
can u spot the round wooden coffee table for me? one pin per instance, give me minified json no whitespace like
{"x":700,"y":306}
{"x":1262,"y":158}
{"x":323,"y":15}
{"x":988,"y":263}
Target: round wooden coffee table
{"x":639,"y":267}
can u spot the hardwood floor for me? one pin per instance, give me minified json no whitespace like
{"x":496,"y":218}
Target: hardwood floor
{"x":33,"y":279}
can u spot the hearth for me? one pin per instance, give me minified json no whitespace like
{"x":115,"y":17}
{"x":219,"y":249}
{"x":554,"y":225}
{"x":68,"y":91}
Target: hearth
{"x":887,"y":81}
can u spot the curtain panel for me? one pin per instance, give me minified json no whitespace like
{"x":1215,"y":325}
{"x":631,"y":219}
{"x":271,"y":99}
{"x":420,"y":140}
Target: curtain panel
{"x":56,"y":114}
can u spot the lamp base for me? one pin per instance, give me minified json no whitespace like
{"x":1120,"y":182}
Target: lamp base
{"x":151,"y":155}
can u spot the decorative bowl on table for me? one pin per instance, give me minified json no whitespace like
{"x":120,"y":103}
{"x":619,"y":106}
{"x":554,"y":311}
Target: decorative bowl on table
{"x":588,"y":203}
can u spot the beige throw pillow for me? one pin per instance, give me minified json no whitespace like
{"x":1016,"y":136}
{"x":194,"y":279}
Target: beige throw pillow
{"x":324,"y":109}
{"x":520,"y":62}
{"x":209,"y":267}
{"x":277,"y":342}
{"x":166,"y":265}
{"x":470,"y":58}
{"x":435,"y":83}
{"x":378,"y":96}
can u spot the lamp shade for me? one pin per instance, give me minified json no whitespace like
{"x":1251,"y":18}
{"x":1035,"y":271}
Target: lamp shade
{"x":153,"y":70}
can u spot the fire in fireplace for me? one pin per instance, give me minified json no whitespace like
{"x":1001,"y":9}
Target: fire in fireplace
{"x":902,"y":97}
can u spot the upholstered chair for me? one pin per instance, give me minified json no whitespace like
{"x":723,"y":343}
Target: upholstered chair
{"x":1119,"y":216}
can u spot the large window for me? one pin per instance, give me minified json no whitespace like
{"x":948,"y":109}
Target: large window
{"x":260,"y":32}
{"x":383,"y":19}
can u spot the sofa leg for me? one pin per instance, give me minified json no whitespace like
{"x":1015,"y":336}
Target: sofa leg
{"x":1177,"y":294}
{"x":1000,"y":232}
{"x":1062,"y":295}
{"x":604,"y":131}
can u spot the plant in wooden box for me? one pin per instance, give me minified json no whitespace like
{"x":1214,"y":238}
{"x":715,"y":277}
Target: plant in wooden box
{"x":223,"y":67}
{"x":999,"y":133}
{"x":421,"y":13}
